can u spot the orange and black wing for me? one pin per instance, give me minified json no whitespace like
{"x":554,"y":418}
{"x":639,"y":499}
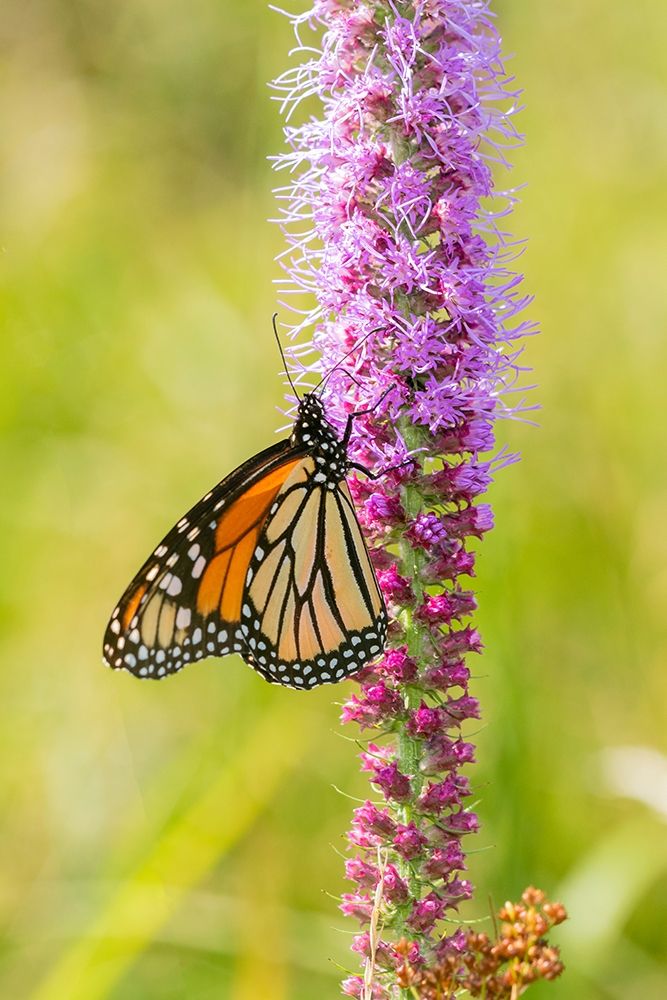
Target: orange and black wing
{"x":185,"y":602}
{"x":312,"y":611}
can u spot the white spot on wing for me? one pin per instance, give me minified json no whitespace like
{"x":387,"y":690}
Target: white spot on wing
{"x":183,"y":617}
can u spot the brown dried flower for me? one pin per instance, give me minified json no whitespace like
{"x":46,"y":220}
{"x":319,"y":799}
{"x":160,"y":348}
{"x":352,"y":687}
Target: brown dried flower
{"x":500,"y":969}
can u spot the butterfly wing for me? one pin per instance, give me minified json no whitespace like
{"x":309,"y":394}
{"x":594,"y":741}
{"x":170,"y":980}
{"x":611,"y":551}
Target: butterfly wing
{"x":312,"y":611}
{"x":185,"y":601}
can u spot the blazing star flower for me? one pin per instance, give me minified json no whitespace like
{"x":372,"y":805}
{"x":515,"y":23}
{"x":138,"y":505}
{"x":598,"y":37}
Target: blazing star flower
{"x":395,"y":263}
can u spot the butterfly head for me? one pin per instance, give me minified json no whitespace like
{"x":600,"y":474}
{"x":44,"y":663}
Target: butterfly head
{"x":313,"y":432}
{"x":311,"y":407}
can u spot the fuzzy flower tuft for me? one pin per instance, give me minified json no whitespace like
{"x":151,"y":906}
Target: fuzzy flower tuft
{"x":396,"y":265}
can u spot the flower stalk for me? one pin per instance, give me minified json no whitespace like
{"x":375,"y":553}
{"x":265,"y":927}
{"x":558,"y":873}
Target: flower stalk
{"x":395,"y":258}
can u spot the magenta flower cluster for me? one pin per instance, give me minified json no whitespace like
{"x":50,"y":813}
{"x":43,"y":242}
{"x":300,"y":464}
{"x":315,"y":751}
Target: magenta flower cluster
{"x":395,"y":255}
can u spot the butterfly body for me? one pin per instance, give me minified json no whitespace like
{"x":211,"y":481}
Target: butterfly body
{"x":270,"y":564}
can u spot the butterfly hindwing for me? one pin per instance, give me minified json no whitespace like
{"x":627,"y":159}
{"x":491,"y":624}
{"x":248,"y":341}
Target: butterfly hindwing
{"x":185,"y":601}
{"x":313,"y":612}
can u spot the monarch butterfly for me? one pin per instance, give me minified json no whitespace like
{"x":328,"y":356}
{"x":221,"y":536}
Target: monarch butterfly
{"x":271,"y":564}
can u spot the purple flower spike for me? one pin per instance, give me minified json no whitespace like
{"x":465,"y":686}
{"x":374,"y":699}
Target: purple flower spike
{"x":395,"y":263}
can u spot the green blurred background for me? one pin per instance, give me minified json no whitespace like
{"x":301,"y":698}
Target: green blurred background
{"x":182,"y":839}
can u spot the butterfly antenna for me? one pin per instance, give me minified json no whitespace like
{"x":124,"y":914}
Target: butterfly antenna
{"x":282,"y":355}
{"x":328,"y":375}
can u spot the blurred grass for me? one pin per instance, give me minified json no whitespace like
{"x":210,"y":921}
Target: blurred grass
{"x":138,"y":367}
{"x":181,"y":856}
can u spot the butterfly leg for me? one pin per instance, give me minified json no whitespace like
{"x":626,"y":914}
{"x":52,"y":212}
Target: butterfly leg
{"x":352,"y":377}
{"x":383,"y":472}
{"x":362,"y":413}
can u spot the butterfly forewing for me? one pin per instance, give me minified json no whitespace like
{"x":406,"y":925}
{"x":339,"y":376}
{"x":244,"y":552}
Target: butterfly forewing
{"x":185,"y":601}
